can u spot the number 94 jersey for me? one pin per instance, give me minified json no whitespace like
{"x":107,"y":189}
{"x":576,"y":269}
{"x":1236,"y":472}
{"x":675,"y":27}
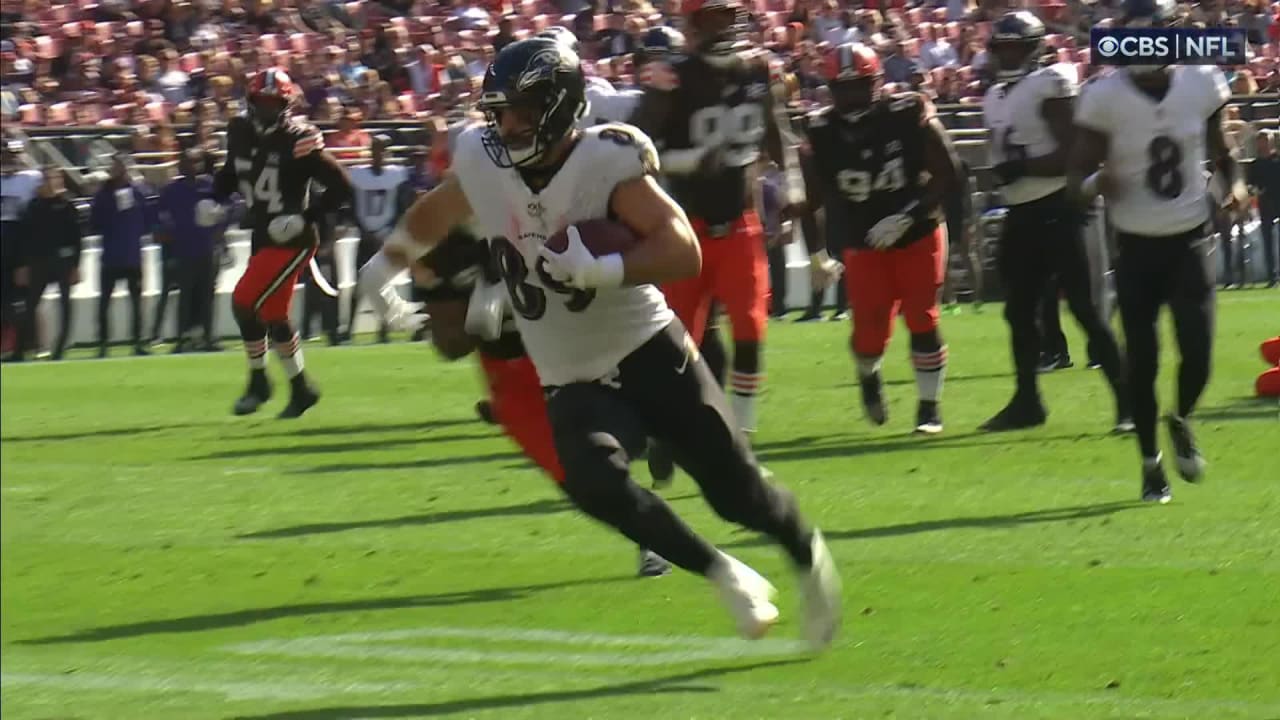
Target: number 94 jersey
{"x":870,"y":168}
{"x":571,"y":335}
{"x":1156,"y":152}
{"x":273,"y":174}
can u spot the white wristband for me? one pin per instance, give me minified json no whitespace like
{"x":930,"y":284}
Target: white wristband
{"x":1089,"y":188}
{"x":608,"y":271}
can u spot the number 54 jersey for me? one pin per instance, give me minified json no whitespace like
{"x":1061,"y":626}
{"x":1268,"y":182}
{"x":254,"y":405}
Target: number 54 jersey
{"x":273,"y":174}
{"x":571,"y":335}
{"x":1156,"y":152}
{"x":870,"y":166}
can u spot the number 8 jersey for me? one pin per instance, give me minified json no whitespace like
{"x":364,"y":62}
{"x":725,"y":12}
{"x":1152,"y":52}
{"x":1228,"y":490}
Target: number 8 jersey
{"x":1156,"y":152}
{"x":870,"y":166}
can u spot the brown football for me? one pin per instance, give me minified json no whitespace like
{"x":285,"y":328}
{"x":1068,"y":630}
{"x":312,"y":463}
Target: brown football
{"x":601,"y":237}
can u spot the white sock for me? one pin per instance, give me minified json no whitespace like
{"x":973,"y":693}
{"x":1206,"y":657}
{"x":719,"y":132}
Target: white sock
{"x":290,"y":354}
{"x":931,"y":369}
{"x":257,"y":352}
{"x":742,"y":397}
{"x":868,"y":366}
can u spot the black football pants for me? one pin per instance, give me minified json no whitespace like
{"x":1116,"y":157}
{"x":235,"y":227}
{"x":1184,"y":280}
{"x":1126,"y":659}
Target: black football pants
{"x":1155,"y":271}
{"x":107,"y":279}
{"x":664,"y":390}
{"x":1042,"y":242}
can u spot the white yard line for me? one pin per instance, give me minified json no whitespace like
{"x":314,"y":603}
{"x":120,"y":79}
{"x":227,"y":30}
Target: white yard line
{"x":231,"y":690}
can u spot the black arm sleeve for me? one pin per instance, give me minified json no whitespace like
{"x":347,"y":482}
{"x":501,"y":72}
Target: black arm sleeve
{"x":325,"y":170}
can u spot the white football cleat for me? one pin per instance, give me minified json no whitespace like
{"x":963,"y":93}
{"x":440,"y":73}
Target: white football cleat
{"x":747,"y":594}
{"x":821,"y":589}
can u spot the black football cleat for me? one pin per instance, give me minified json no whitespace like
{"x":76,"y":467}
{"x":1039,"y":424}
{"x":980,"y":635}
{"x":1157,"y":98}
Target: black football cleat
{"x":1017,"y":415}
{"x":255,"y":395}
{"x":1191,"y":463}
{"x":662,"y":467}
{"x":1155,"y":488}
{"x":652,"y":564}
{"x":928,"y":418}
{"x":484,"y":409}
{"x":873,"y":399}
{"x":300,"y":400}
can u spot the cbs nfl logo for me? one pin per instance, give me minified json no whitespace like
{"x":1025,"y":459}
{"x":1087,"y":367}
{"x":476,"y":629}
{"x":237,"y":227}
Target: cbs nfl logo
{"x":1168,"y":46}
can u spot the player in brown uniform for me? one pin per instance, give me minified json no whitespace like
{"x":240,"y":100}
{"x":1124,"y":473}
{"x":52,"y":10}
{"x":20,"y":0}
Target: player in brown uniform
{"x":272,"y":161}
{"x":869,"y":155}
{"x":711,"y":111}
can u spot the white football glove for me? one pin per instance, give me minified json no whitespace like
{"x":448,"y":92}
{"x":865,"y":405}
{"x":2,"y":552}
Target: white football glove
{"x":209,"y":213}
{"x":888,"y":231}
{"x":577,"y":267}
{"x":823,"y":270}
{"x":284,"y":228}
{"x":376,"y":284}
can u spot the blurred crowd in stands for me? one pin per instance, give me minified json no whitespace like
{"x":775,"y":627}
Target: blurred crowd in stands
{"x":156,"y":64}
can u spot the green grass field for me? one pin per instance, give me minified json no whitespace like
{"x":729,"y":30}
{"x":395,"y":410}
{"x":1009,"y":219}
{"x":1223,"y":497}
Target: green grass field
{"x":389,"y":556}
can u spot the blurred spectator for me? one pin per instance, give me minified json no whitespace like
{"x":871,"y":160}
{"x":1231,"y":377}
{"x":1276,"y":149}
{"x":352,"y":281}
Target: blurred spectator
{"x":1264,"y":181}
{"x":50,"y":236}
{"x":349,"y":141}
{"x":898,"y":68}
{"x":121,"y":213}
{"x":193,"y":250}
{"x":504,"y":36}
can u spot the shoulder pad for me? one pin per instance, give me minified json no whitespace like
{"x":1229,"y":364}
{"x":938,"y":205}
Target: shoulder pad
{"x":912,"y":103}
{"x":818,"y":118}
{"x":627,"y":140}
{"x":306,"y":138}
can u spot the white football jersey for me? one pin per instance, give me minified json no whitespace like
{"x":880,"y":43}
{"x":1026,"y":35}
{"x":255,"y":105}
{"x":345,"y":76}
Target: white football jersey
{"x":608,"y":104}
{"x":1012,"y":114}
{"x":16,"y":191}
{"x":375,"y":194}
{"x":1157,"y":150}
{"x":571,"y":335}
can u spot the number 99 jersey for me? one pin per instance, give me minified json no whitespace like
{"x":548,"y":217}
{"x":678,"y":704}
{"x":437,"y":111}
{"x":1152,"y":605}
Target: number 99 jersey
{"x":870,"y":168}
{"x":1156,"y":152}
{"x":724,"y":110}
{"x":273,"y":174}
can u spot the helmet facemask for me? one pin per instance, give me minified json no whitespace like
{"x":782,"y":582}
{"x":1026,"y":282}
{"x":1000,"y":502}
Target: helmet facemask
{"x":268,"y":111}
{"x":1015,"y":59}
{"x":525,"y":127}
{"x":852,"y":98}
{"x":718,"y":33}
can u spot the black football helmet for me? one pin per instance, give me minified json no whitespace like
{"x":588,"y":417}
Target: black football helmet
{"x":1016,"y":45}
{"x":718,"y":29}
{"x":541,"y":81}
{"x":659,"y":42}
{"x":562,"y":34}
{"x":1148,"y":13}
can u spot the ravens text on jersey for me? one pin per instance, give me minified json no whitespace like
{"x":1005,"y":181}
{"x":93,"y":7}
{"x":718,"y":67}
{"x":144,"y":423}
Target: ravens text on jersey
{"x":871,"y":168}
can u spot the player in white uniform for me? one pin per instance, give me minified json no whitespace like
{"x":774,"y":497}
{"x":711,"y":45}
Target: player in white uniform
{"x":1153,"y":130}
{"x":381,"y":195}
{"x":1028,"y":111}
{"x":17,"y":188}
{"x":615,"y":364}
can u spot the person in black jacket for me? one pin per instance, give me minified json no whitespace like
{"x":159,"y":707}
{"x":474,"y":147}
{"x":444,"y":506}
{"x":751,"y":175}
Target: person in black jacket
{"x":50,"y":237}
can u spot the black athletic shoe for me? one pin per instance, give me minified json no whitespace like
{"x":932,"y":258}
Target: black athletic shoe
{"x":1048,"y":363}
{"x":662,"y":467}
{"x":1154,"y":486}
{"x":300,"y":400}
{"x":873,"y":399}
{"x":484,"y":409}
{"x":1063,"y":362}
{"x":1017,"y":415}
{"x":809,"y":316}
{"x":652,"y":564}
{"x":257,"y":393}
{"x":1191,"y":463}
{"x":928,"y":418}
{"x":140,"y":351}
